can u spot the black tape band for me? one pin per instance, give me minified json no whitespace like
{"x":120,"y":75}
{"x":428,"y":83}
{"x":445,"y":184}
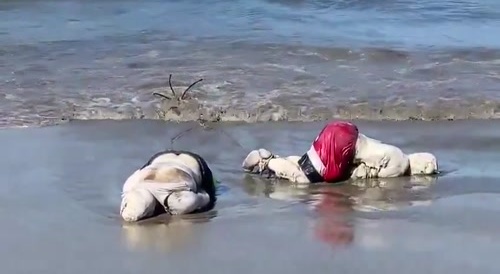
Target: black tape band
{"x":307,"y":167}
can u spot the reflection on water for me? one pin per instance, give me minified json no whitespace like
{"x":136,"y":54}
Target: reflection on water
{"x":164,"y":233}
{"x":393,"y":193}
{"x":380,"y":193}
{"x":332,"y":224}
{"x":333,"y":205}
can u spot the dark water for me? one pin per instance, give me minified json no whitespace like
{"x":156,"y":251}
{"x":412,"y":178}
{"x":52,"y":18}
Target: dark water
{"x":60,"y":195}
{"x":260,"y":60}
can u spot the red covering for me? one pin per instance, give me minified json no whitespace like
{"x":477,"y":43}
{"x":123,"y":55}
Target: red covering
{"x":336,"y":146}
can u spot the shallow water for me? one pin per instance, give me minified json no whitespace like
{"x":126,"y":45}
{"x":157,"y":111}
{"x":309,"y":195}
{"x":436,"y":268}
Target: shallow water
{"x":60,"y":194}
{"x":260,"y":59}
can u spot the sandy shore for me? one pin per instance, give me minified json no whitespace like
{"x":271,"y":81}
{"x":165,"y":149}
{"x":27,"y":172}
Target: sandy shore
{"x":60,"y":192}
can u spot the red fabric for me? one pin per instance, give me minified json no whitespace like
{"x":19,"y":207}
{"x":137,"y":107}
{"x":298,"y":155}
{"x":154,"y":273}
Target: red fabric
{"x":332,"y":225}
{"x":336,"y":146}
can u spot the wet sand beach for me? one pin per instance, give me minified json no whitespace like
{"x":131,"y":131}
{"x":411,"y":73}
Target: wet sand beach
{"x":60,"y":194}
{"x":261,"y":61}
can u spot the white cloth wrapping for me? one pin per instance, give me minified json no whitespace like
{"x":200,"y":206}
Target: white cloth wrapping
{"x":283,"y":167}
{"x":423,"y":163}
{"x":177,"y":194}
{"x":378,"y":160}
{"x":288,"y":168}
{"x":374,"y":159}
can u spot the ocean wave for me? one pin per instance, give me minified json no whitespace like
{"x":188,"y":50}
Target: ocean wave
{"x":50,"y":83}
{"x":192,"y":110}
{"x":205,"y":112}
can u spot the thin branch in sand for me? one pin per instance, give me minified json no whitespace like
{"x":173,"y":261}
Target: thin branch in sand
{"x":232,"y":139}
{"x":190,"y":86}
{"x":178,"y":98}
{"x":204,"y":124}
{"x":179,"y":135}
{"x":170,"y":84}
{"x":162,"y":95}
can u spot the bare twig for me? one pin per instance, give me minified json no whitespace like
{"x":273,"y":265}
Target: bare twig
{"x":170,"y":84}
{"x":162,"y":95}
{"x":206,"y":125}
{"x":175,"y":96}
{"x":180,"y":134}
{"x":203,"y":124}
{"x":190,"y":86}
{"x":232,"y":139}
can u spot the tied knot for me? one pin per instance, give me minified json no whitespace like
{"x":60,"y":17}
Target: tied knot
{"x":264,"y":163}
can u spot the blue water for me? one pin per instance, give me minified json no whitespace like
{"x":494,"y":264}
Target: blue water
{"x":407,"y":24}
{"x":102,"y":59}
